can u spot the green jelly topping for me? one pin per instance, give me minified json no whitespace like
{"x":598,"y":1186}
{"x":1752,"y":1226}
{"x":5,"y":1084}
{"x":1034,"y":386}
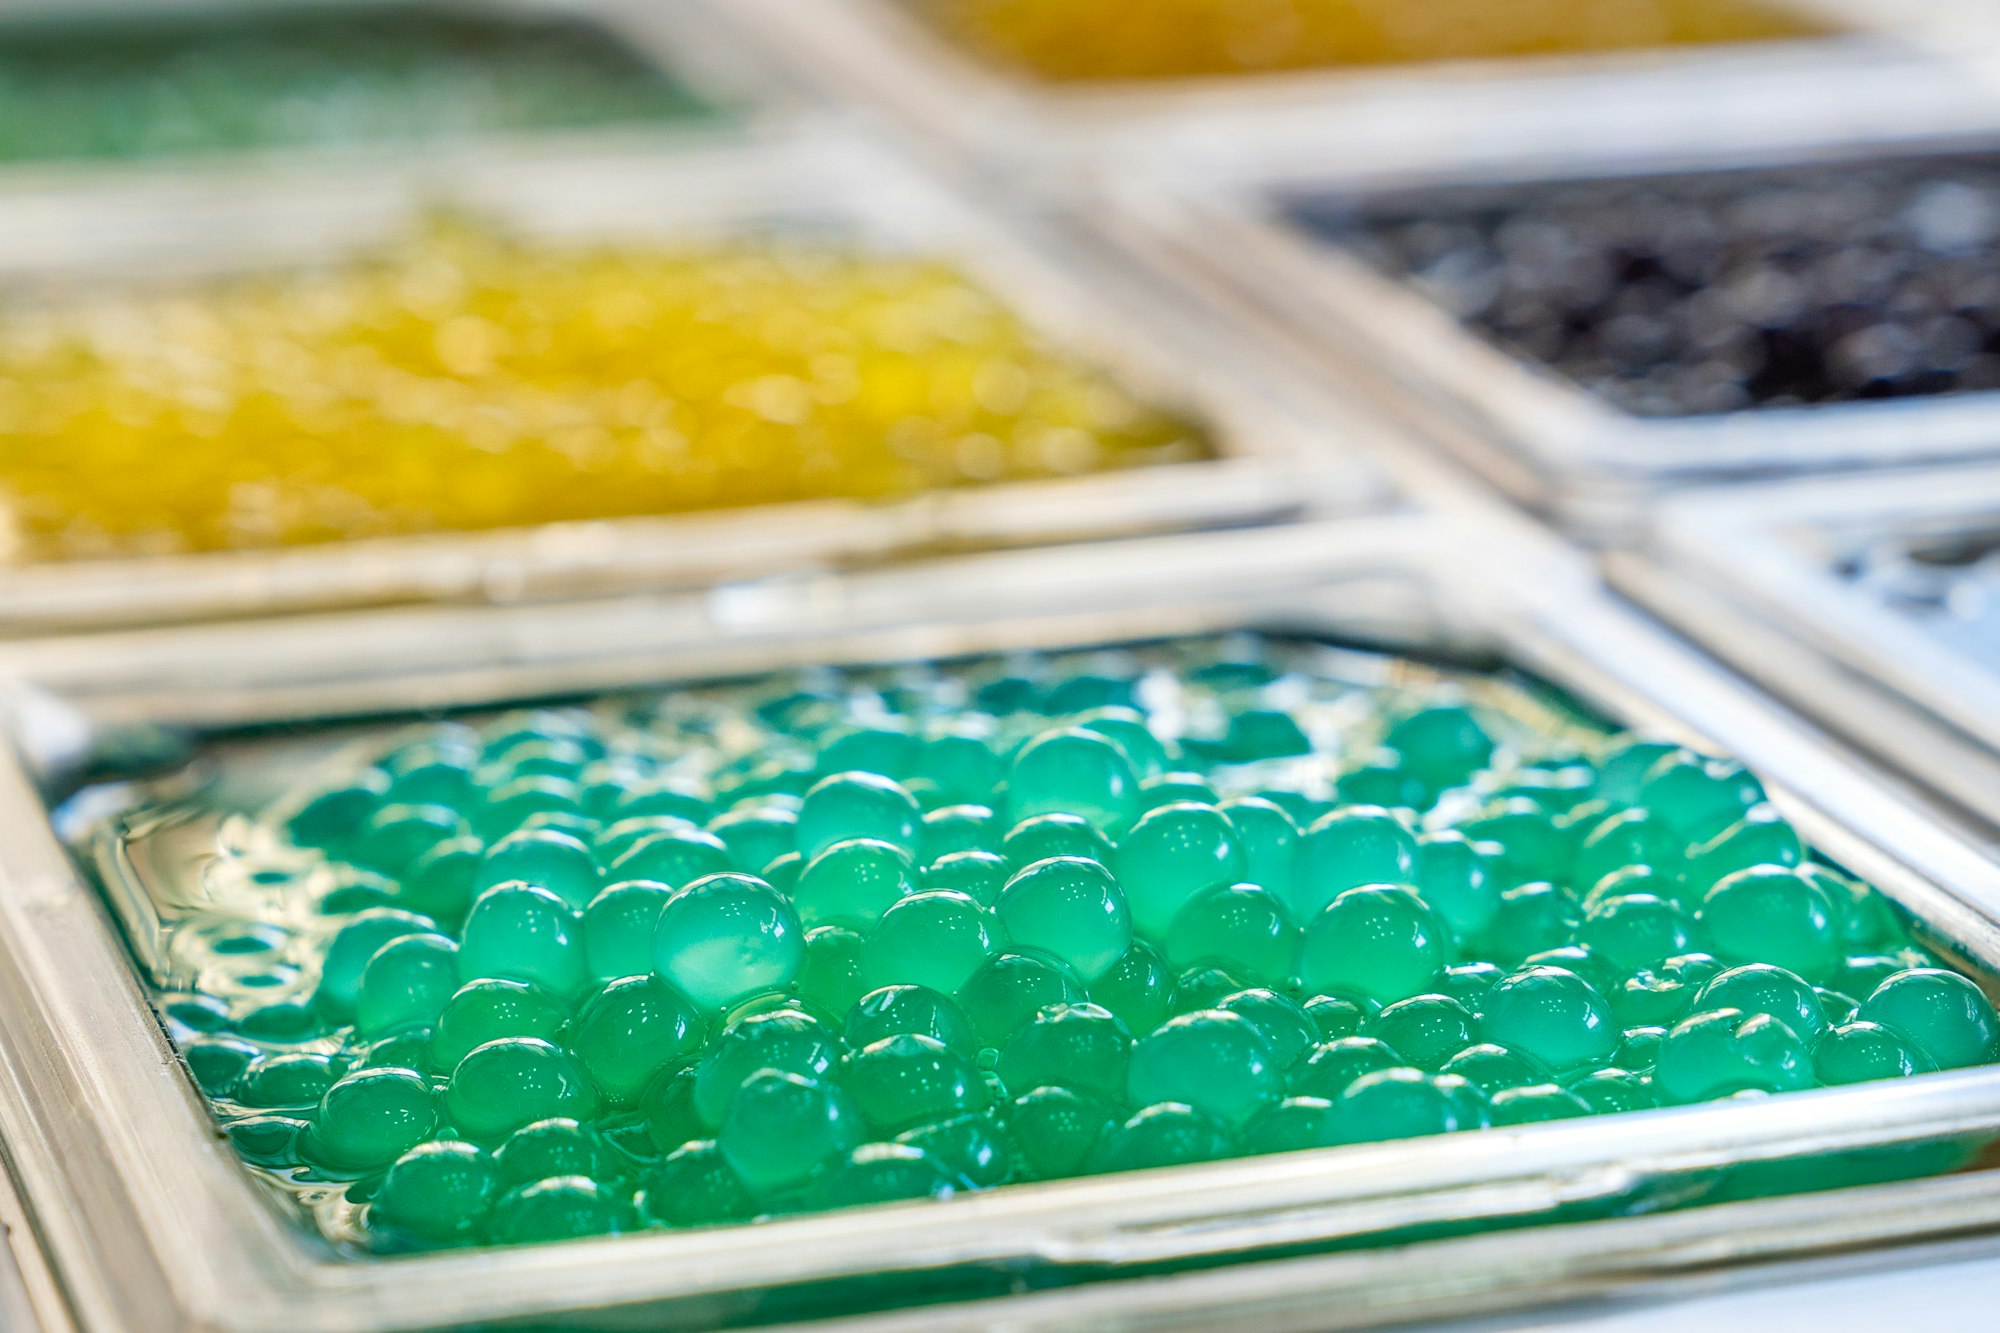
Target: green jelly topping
{"x":868,"y":937}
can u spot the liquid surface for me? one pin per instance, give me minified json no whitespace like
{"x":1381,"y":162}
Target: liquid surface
{"x":1083,"y":41}
{"x":848,"y":937}
{"x":465,"y":381}
{"x":1704,"y":293}
{"x":139,"y":87}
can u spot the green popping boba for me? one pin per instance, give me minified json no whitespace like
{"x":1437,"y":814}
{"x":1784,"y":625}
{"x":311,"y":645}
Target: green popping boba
{"x":861,"y":937}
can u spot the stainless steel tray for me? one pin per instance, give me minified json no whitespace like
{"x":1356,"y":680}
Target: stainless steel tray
{"x":1545,"y":441}
{"x":875,"y":53}
{"x":1752,"y":572}
{"x":151,"y":1223}
{"x":815,"y":184}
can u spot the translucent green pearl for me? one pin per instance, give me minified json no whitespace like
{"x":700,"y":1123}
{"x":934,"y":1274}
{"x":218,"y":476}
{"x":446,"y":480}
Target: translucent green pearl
{"x":1335,"y":1016}
{"x":612,"y":842}
{"x":1648,"y":998}
{"x":1552,"y":1015}
{"x":1138,"y":988}
{"x":904,"y":1081}
{"x":335,"y":815}
{"x":1771,"y":915}
{"x":971,"y":1148}
{"x":1468,"y":982}
{"x":1532,"y":917}
{"x":1376,"y":941}
{"x":963,"y":767}
{"x":1268,"y":837}
{"x":1942,"y":1014}
{"x":1445,"y":745}
{"x":877,"y":1173}
{"x":668,"y":1110}
{"x":1533,"y":844}
{"x":438,"y":1192}
{"x":756,"y":835}
{"x":268,"y":1140}
{"x":1577,"y":958}
{"x":978,"y":875}
{"x":409,"y":1048}
{"x":512,"y":803}
{"x":666,"y":796}
{"x":1168,"y":1134}
{"x":1635,"y":930}
{"x":782,"y":1128}
{"x":937,"y":939}
{"x":958,"y":828}
{"x":432,"y":773}
{"x":1043,"y":836}
{"x":558,"y":862}
{"x":1089,"y":690}
{"x":515,"y":1081}
{"x":1212,"y":1060}
{"x":285,"y":1081}
{"x":1759,"y":988}
{"x":632,"y":1029}
{"x":370,"y":1118}
{"x":1456,"y":876}
{"x":1725,"y":1051}
{"x":1699,"y":797}
{"x":1264,"y":733}
{"x":787,"y":1040}
{"x":217,"y":1062}
{"x":1761,"y":838}
{"x":846,"y":806}
{"x":395,"y":836}
{"x":1399,"y":1104}
{"x":523,"y":933}
{"x":1284,"y":1025}
{"x":1071,"y":909}
{"x":1174,"y":853}
{"x":695,"y":1187}
{"x":1055,"y":1129}
{"x":550,"y":1148}
{"x":1011,"y":988}
{"x":492,"y":1008}
{"x":1083,"y":1047}
{"x":1346,"y":849}
{"x":1293,"y":1125}
{"x":1624,"y":768}
{"x":917,"y":1009}
{"x":1610,"y":1091}
{"x":1203,"y":988}
{"x":830,"y":976}
{"x":1334,"y":1065}
{"x":347,"y":956}
{"x":1126,"y":728}
{"x":1639,"y":1049}
{"x":439,"y":883}
{"x":887,"y":748}
{"x":1384,"y":782}
{"x":1426,"y":1030}
{"x":1491,"y":1068}
{"x":564,"y":1208}
{"x":1240,"y":928}
{"x":1176,"y":788}
{"x":1075,"y":772}
{"x":1862,"y":1052}
{"x":1536,"y":1105}
{"x":1624,"y":839}
{"x":674,"y":857}
{"x":728,"y":937}
{"x":853,"y":883}
{"x":618,"y":928}
{"x":406,"y":984}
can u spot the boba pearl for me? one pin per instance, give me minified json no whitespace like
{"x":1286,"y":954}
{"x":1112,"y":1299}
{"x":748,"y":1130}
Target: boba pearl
{"x":676,"y":857}
{"x":888,"y":750}
{"x":1012,"y":988}
{"x":1491,"y":1068}
{"x":962,"y":767}
{"x":974,"y":1149}
{"x":1126,"y":728}
{"x":1172,"y":788}
{"x":347,"y":956}
{"x":694,"y":1186}
{"x":1444,"y":745}
{"x":407,"y":983}
{"x":1457,"y":878}
{"x":557,"y":861}
{"x":852,"y":883}
{"x":904,"y":1081}
{"x":1056,"y":1129}
{"x":1269,"y":838}
{"x":268,"y":1140}
{"x":1082,"y":1047}
{"x":1773,"y":915}
{"x":285,"y":1081}
{"x":1726,"y":1051}
{"x":1400,"y":1103}
{"x":1335,"y":1016}
{"x":936,"y":939}
{"x":218,"y":1062}
{"x":1552,"y":1014}
{"x":781,"y":1128}
{"x":563,"y":1208}
{"x":1334,"y":1065}
{"x":1202,"y":988}
{"x":1536,"y":1105}
{"x":1212,"y":1060}
{"x":1283,"y":1024}
{"x":370,"y":1118}
{"x":978,"y":875}
{"x":1168,"y":1134}
{"x":1138,"y":988}
{"x":728,"y":937}
{"x":1425,"y":1030}
{"x":1068,"y":908}
{"x":550,"y":1148}
{"x":846,"y":806}
{"x":787,"y":1040}
{"x":1698,"y":796}
{"x":1074,"y":772}
{"x":1377,"y":941}
{"x":1609,"y":1091}
{"x":438,"y":1191}
{"x":1294,"y":1125}
{"x":492,"y":1008}
{"x":523,"y":933}
{"x":1174,"y":853}
{"x":1042,"y":837}
{"x":1347,"y":849}
{"x":1861,"y":1052}
{"x":1944,"y":1015}
{"x":439,"y":883}
{"x":1240,"y":928}
{"x":632,"y":1029}
{"x":515,"y":1081}
{"x":1531,"y":918}
{"x":957,"y":828}
{"x":1635,"y":930}
{"x":618,"y":926}
{"x":1759,"y":988}
{"x":878,"y":1173}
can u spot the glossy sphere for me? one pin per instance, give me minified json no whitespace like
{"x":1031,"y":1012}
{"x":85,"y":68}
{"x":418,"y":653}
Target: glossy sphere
{"x":1399,"y":1104}
{"x":618,"y":928}
{"x":562,"y":1208}
{"x":1168,"y":1134}
{"x":1553,"y":1015}
{"x":492,"y":1008}
{"x":1726,"y":1051}
{"x":781,"y":1128}
{"x":550,"y":858}
{"x":846,"y":806}
{"x":1212,"y":1060}
{"x":632,"y":1029}
{"x":1376,"y":941}
{"x":1347,"y":849}
{"x":1767,"y":914}
{"x":438,"y":1191}
{"x":407,"y":983}
{"x":1240,"y":928}
{"x":1074,"y":772}
{"x":523,"y":933}
{"x":728,"y":937}
{"x":370,"y":1118}
{"x":1760,"y":988}
{"x":1056,"y":1130}
{"x":1944,"y":1015}
{"x":1011,"y":989}
{"x":1861,"y":1052}
{"x":904,"y":1081}
{"x":936,"y":939}
{"x":1071,"y":909}
{"x":1426,"y":1030}
{"x":1082,"y":1047}
{"x":852,"y":883}
{"x":515,"y":1081}
{"x":1173,"y":854}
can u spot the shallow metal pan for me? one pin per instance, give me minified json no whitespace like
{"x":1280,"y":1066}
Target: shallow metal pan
{"x":151,"y":1223}
{"x":1535,"y":434}
{"x":815,"y":185}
